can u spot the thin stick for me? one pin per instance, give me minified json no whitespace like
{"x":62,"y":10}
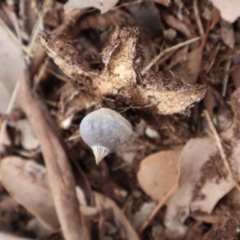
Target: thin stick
{"x":143,"y":72}
{"x":9,"y":109}
{"x":214,"y":58}
{"x":220,"y":148}
{"x":45,"y":8}
{"x":155,"y":210}
{"x":226,"y":76}
{"x":198,"y":19}
{"x":60,"y":176}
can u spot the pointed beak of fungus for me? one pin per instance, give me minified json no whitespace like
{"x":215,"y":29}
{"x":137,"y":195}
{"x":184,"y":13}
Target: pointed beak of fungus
{"x":99,"y":153}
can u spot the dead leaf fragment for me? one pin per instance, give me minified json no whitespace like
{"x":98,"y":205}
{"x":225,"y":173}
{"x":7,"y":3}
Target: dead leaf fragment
{"x":227,"y":33}
{"x":204,"y":178}
{"x":27,"y":183}
{"x":10,"y":55}
{"x":146,"y":15}
{"x":189,"y":70}
{"x":176,"y":24}
{"x":170,"y":102}
{"x":126,"y":230}
{"x":140,"y":216}
{"x":164,"y":2}
{"x":230,"y":10}
{"x":197,"y":191}
{"x":158,"y":173}
{"x":102,"y":5}
{"x":28,"y":138}
{"x":5,"y":236}
{"x":104,"y":203}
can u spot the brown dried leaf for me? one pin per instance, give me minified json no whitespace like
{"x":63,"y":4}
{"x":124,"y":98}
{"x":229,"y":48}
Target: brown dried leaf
{"x":102,"y":5}
{"x":179,"y":57}
{"x":204,"y":178}
{"x":10,"y":55}
{"x":203,"y":181}
{"x":147,"y":17}
{"x":127,"y":230}
{"x":27,"y":183}
{"x":236,"y":75}
{"x":189,"y":70}
{"x":230,"y":10}
{"x":158,"y":173}
{"x":11,"y":237}
{"x":227,"y":33}
{"x":118,"y":79}
{"x":28,"y":138}
{"x":176,"y":24}
{"x":164,"y":2}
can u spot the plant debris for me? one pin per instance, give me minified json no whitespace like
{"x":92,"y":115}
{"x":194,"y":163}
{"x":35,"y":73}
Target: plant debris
{"x":167,"y":72}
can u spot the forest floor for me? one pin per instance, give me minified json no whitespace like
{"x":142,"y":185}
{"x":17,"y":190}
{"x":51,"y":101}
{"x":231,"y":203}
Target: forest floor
{"x":171,"y":69}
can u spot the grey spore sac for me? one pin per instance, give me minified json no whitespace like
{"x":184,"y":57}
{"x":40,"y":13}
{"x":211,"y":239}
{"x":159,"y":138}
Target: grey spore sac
{"x":105,"y":131}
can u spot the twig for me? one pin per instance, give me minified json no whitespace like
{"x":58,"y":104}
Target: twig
{"x":143,"y":72}
{"x":198,"y":19}
{"x":45,"y":8}
{"x":214,"y":58}
{"x":220,"y":148}
{"x":226,"y":76}
{"x":61,"y":180}
{"x":9,"y":109}
{"x":156,"y":209}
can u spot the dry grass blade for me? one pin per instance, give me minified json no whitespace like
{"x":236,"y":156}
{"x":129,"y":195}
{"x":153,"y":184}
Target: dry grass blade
{"x":61,"y":179}
{"x":198,"y":19}
{"x":144,"y":71}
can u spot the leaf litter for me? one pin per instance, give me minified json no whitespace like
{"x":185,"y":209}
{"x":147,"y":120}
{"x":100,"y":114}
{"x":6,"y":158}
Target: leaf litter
{"x":152,"y":62}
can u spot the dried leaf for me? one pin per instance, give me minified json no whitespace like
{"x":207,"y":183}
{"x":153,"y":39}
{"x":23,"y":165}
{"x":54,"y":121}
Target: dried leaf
{"x":28,"y":138}
{"x":5,"y":236}
{"x":176,"y":24}
{"x":189,"y":70}
{"x":102,"y":5}
{"x":118,"y":79}
{"x":26,"y":182}
{"x":227,"y":33}
{"x":230,"y":10}
{"x":203,"y":181}
{"x":103,"y":202}
{"x":158,"y":173}
{"x":10,"y":55}
{"x":179,"y":57}
{"x":164,"y":2}
{"x":146,"y":15}
{"x":204,"y":178}
{"x":236,"y":76}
